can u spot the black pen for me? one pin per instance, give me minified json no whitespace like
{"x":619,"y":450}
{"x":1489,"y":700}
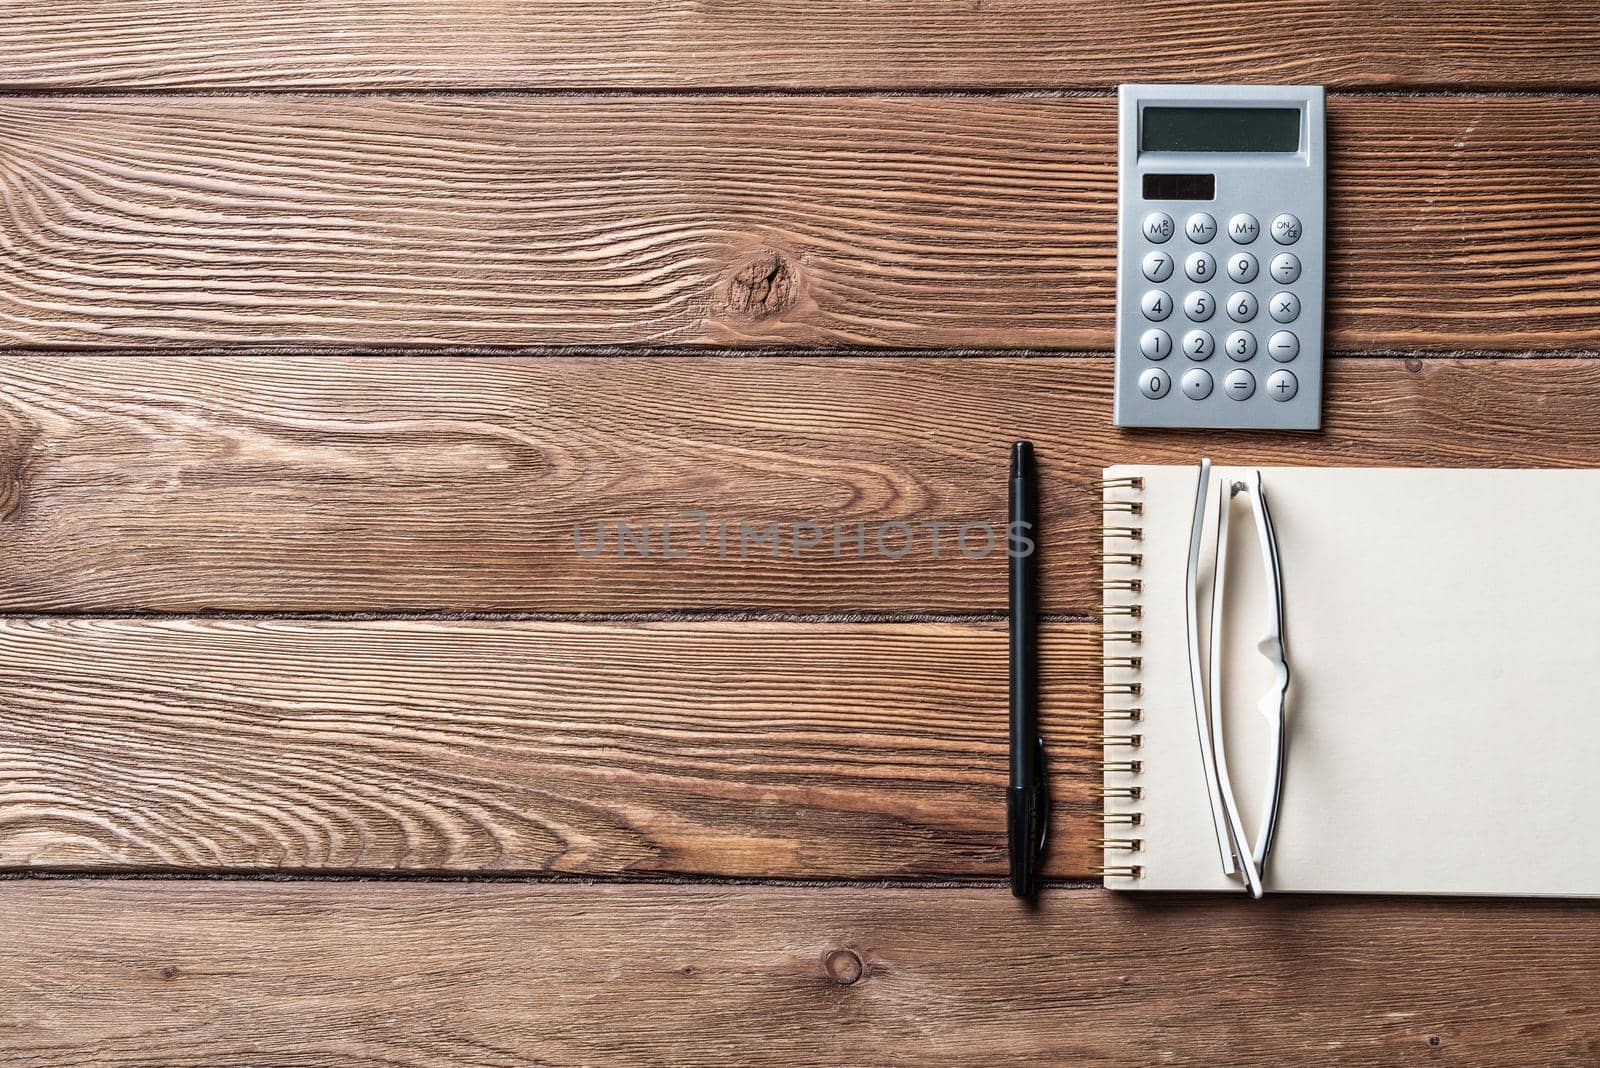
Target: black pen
{"x":1028,"y":799}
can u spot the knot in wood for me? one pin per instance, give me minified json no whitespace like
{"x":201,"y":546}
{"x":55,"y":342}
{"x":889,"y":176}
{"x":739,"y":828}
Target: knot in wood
{"x":843,"y":966}
{"x":763,"y":287}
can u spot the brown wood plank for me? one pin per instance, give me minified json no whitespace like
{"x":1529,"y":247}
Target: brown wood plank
{"x":306,"y":484}
{"x":218,"y":973}
{"x":565,"y":44}
{"x":1457,"y":222}
{"x":841,"y":750}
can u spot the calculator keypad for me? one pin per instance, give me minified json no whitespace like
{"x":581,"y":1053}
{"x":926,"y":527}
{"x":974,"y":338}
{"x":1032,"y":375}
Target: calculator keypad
{"x":1242,"y":305}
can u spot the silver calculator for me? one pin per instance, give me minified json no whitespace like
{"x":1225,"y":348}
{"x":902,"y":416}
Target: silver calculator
{"x":1220,"y":235}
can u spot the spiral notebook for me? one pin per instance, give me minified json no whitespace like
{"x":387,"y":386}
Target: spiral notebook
{"x":1442,"y":716}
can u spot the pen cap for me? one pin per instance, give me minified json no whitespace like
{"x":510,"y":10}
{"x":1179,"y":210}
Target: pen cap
{"x":1027,"y":813}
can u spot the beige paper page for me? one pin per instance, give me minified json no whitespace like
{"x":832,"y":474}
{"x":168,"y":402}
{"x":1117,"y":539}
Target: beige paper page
{"x":1443,"y":629}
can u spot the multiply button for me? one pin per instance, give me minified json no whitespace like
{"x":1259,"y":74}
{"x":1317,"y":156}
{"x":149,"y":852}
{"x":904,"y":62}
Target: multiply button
{"x":1283,"y":346}
{"x":1285,"y":267}
{"x":1200,"y":228}
{"x":1239,"y":384}
{"x":1284,"y":307}
{"x":1155,"y":383}
{"x":1158,"y":227}
{"x":1285,"y":229}
{"x":1158,"y":266}
{"x":1243,"y":228}
{"x":1282,"y":385}
{"x":1196,"y":384}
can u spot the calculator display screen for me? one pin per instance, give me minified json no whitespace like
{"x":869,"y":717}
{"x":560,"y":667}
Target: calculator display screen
{"x":1219,"y":130}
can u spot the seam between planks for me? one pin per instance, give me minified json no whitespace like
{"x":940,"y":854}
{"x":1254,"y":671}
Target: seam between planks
{"x":627,"y":352}
{"x":1423,"y":91}
{"x":46,"y":874}
{"x":444,"y":615}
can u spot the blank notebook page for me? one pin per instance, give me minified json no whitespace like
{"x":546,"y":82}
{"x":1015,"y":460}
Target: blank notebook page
{"x":1443,"y":631}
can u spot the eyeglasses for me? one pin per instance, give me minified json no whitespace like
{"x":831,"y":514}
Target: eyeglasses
{"x":1242,"y":856}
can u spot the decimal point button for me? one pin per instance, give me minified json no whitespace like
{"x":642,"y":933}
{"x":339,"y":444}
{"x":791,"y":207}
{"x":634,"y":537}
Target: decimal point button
{"x":1196,"y":384}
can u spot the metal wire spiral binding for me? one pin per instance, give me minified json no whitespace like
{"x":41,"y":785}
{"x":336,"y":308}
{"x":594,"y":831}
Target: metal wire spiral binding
{"x":1114,"y":555}
{"x":1130,"y":845}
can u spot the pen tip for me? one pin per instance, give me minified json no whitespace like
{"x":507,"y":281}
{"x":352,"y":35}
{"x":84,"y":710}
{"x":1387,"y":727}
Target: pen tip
{"x":1022,"y":456}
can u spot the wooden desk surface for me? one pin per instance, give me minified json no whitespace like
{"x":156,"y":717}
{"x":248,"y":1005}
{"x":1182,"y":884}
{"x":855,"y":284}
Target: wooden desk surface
{"x":322,"y":328}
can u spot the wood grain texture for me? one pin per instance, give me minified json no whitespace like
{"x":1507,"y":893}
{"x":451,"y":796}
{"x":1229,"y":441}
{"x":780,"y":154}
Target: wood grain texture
{"x":306,"y":484}
{"x":1458,"y":223}
{"x":564,"y":44}
{"x":233,"y":974}
{"x":848,"y":751}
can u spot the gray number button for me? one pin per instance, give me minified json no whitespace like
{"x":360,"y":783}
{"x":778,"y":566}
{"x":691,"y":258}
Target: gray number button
{"x":1284,"y":307}
{"x":1156,"y":304}
{"x":1240,"y":384}
{"x":1283,"y":346}
{"x":1198,"y":345}
{"x":1241,"y":307}
{"x":1199,"y":306}
{"x":1242,"y":267}
{"x":1200,"y":228}
{"x":1156,"y":344}
{"x":1196,"y":384}
{"x":1241,"y":345}
{"x":1285,"y":229}
{"x":1158,"y":265}
{"x":1285,"y":268}
{"x":1282,"y":385}
{"x":1200,"y":267}
{"x":1158,"y":227}
{"x":1155,"y":383}
{"x":1243,"y":228}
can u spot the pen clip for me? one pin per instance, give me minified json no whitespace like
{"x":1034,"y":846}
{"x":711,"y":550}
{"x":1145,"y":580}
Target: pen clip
{"x":1044,"y":800}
